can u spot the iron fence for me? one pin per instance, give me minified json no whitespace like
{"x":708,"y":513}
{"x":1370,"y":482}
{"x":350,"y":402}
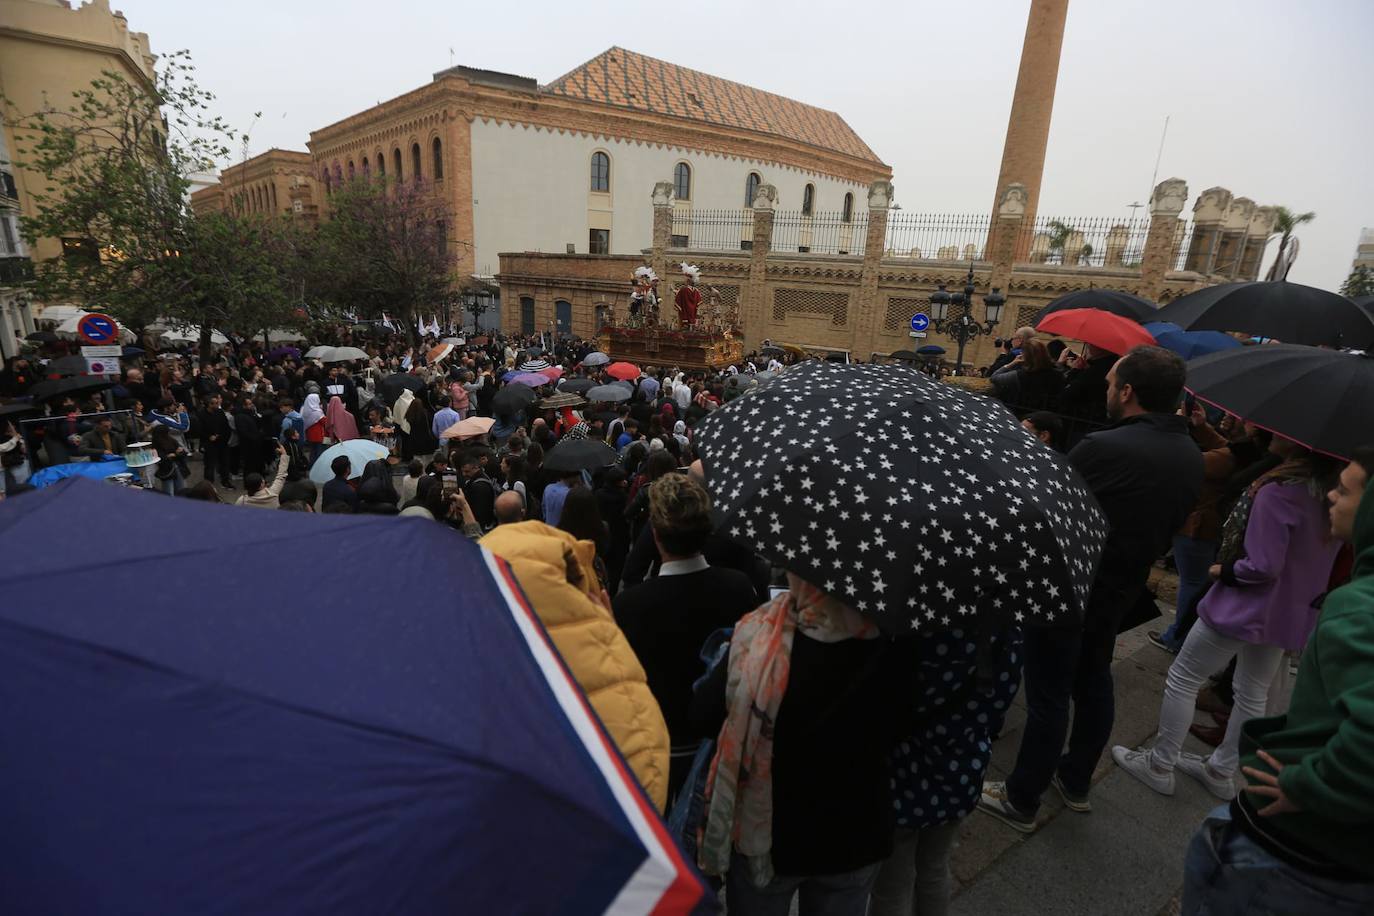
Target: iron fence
{"x":1084,"y":241}
{"x":1183,"y":240}
{"x":713,"y":230}
{"x":939,"y":236}
{"x":819,"y":233}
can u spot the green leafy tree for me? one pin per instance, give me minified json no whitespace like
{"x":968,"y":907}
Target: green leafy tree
{"x":1359,"y":283}
{"x":117,"y":162}
{"x":1285,"y":221}
{"x":1060,"y":233}
{"x":384,"y":248}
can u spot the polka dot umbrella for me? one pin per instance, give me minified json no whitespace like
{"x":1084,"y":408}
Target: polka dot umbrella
{"x":918,"y":503}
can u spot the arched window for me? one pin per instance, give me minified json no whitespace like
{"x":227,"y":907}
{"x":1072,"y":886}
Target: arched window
{"x":751,"y":187}
{"x":808,"y":199}
{"x":396,"y":162}
{"x":848,"y":213}
{"x":328,"y":183}
{"x":415,"y":161}
{"x":367,"y":168}
{"x":601,"y":172}
{"x":381,"y":164}
{"x":682,"y":181}
{"x":350,"y":170}
{"x":438,"y":159}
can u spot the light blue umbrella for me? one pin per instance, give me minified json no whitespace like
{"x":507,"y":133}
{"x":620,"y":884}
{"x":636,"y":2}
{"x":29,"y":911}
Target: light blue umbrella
{"x":359,"y":452}
{"x":1190,"y":344}
{"x":608,"y":394}
{"x":596,"y":358}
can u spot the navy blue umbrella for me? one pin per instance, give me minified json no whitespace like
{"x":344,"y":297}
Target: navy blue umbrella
{"x":931,"y":350}
{"x":233,"y":713}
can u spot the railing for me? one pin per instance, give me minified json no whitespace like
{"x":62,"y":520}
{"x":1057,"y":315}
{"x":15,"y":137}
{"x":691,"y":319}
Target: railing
{"x":819,"y":233}
{"x":1084,"y":241}
{"x":713,"y":230}
{"x":1183,"y":239}
{"x":7,"y":186}
{"x":939,"y":236}
{"x":15,"y":270}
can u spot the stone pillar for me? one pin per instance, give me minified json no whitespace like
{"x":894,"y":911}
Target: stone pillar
{"x":1161,"y":244}
{"x":863,"y":339}
{"x":1209,"y":212}
{"x":663,"y":231}
{"x":1256,"y":238}
{"x":753,"y":309}
{"x":1232,"y":244}
{"x":1028,"y":127}
{"x":1009,"y":222}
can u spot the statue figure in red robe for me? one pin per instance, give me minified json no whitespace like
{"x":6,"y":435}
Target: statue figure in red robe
{"x":688,"y":297}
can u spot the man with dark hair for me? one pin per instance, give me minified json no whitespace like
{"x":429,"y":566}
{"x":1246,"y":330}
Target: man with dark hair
{"x":339,"y":491}
{"x":1044,"y":425}
{"x":1301,"y":835}
{"x":214,"y":437}
{"x":1146,"y":473}
{"x":666,"y":619}
{"x":479,"y":491}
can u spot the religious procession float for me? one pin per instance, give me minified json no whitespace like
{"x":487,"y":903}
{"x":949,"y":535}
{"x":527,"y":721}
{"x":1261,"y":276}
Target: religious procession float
{"x":703,"y":332}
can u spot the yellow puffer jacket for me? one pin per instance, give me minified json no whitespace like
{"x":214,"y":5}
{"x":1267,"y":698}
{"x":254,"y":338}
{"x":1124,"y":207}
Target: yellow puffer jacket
{"x":590,"y":642}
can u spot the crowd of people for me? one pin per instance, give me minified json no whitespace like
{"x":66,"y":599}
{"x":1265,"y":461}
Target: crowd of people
{"x":800,"y":750}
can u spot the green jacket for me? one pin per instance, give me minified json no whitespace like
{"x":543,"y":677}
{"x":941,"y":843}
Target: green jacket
{"x":1326,"y":741}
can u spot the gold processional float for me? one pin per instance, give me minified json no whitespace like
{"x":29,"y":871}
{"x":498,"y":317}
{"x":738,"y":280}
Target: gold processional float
{"x":699,"y":331}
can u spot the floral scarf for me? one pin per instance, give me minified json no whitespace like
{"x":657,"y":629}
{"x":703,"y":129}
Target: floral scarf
{"x":739,"y":788}
{"x":1232,"y":546}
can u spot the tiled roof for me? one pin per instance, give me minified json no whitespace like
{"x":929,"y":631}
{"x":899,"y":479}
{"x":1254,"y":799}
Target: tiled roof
{"x":629,"y":80}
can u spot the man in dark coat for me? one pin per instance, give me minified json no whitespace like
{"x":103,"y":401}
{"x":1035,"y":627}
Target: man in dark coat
{"x":1146,"y":473}
{"x":667,"y":618}
{"x":214,"y":433}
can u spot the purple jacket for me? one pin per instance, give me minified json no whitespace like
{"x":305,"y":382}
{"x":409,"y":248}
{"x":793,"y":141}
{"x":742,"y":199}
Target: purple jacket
{"x":1265,"y":598}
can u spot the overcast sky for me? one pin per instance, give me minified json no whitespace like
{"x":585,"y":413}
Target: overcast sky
{"x":1269,"y":98}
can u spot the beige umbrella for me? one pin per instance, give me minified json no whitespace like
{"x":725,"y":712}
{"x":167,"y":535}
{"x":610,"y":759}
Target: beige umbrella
{"x":469,"y":428}
{"x":400,"y":408}
{"x":562,"y":399}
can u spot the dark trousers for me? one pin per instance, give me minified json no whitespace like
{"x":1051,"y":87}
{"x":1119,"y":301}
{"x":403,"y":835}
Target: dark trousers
{"x":252,"y":456}
{"x":217,"y":461}
{"x":1063,"y":665}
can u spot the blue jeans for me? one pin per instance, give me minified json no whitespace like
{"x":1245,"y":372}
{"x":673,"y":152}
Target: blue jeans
{"x":1193,"y":557}
{"x":845,"y":894}
{"x":1226,"y":873}
{"x":1062,"y":665}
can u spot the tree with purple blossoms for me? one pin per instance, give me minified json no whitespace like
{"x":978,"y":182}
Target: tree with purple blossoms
{"x":383,"y":248}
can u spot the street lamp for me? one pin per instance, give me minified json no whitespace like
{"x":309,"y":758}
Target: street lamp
{"x":965,"y":327}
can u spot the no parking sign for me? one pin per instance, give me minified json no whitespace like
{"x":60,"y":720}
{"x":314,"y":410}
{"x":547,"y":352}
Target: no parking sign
{"x":97,"y":328}
{"x":102,"y":360}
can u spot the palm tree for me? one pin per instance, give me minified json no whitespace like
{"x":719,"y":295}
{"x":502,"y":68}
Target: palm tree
{"x":1060,"y":233}
{"x":1285,"y":221}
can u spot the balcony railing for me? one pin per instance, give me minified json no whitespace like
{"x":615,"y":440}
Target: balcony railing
{"x":7,"y":186}
{"x":15,"y":270}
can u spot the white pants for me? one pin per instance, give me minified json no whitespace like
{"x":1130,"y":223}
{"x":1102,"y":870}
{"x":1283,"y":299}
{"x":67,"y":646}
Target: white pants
{"x":1204,"y":653}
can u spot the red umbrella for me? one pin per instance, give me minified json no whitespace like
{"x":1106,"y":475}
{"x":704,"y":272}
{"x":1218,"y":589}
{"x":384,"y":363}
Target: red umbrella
{"x":627,"y":372}
{"x":553,"y":373}
{"x":1103,"y":330}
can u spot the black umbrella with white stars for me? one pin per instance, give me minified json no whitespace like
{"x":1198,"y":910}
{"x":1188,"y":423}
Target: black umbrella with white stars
{"x":918,"y":503}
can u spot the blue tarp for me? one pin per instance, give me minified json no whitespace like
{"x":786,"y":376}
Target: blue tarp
{"x":241,"y":711}
{"x":96,"y":470}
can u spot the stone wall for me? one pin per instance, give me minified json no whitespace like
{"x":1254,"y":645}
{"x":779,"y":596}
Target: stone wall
{"x":862,"y":304}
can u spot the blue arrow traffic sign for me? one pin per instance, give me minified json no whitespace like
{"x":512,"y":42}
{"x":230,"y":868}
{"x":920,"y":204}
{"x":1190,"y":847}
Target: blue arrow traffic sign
{"x":920,"y":321}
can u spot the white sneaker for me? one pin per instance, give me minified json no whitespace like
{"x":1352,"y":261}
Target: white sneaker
{"x":1138,"y":764}
{"x":1200,"y":768}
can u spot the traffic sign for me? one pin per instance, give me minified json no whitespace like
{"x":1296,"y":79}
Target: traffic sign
{"x":97,"y":328}
{"x":102,"y":365}
{"x":920,"y":321}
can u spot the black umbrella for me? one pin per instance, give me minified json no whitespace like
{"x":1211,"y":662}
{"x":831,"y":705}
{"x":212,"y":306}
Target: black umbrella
{"x":908,"y":355}
{"x":609,"y":393}
{"x":67,"y":365}
{"x":1289,"y":312}
{"x":19,"y":409}
{"x":919,"y":503}
{"x":53,"y":388}
{"x":512,"y":399}
{"x":579,"y":455}
{"x":1366,"y":304}
{"x":1323,"y":399}
{"x":1126,"y":305}
{"x":577,"y":385}
{"x":42,"y":337}
{"x":390,"y":388}
{"x":773,"y":351}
